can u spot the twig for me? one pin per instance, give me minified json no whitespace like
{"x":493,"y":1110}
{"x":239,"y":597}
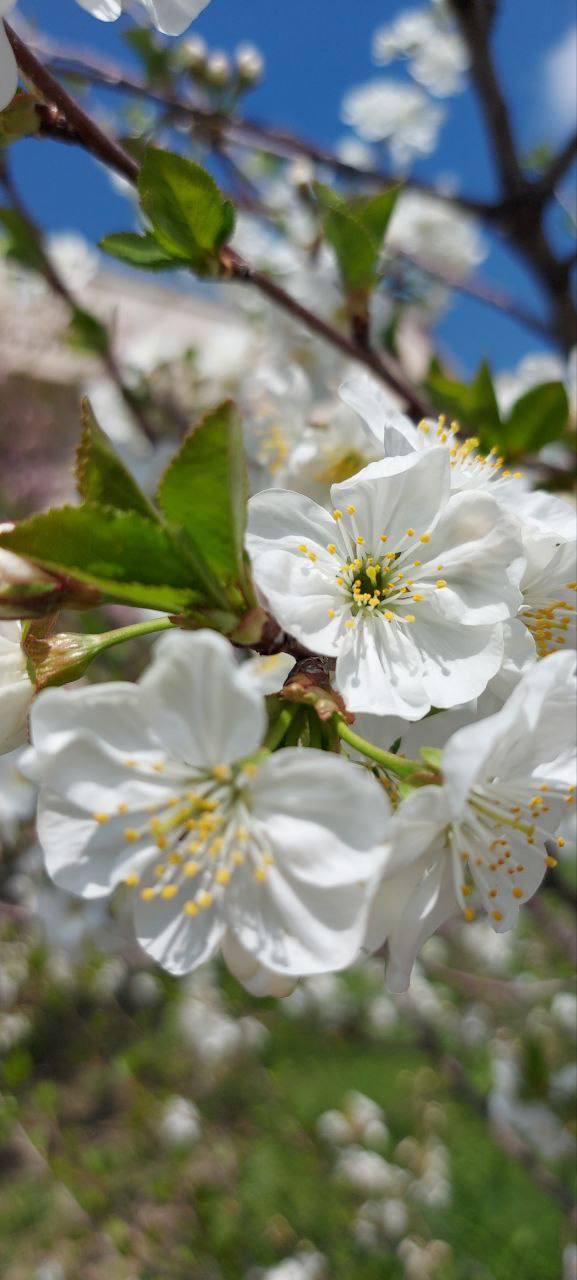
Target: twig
{"x":239,"y":129}
{"x":59,"y":287}
{"x":558,"y":167}
{"x":234,"y":267}
{"x":522,"y":202}
{"x":481,"y":292}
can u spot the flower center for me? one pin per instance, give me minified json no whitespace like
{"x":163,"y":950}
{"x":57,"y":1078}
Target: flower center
{"x":203,"y":834}
{"x":549,"y":623}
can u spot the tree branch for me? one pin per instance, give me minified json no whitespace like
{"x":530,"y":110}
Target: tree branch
{"x":92,"y":138}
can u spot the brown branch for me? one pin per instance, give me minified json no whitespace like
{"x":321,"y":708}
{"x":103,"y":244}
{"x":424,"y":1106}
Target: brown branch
{"x":481,"y":291}
{"x":91,"y":137}
{"x":241,"y":130}
{"x":522,"y":202}
{"x":558,"y":167}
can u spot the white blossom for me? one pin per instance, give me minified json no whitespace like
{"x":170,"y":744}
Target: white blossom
{"x":16,"y":689}
{"x":470,"y":469}
{"x":405,"y":585}
{"x":16,"y":797}
{"x":395,"y":112}
{"x":8,"y":68}
{"x":481,"y":833}
{"x":429,"y":39}
{"x":161,"y":787}
{"x":438,"y":234}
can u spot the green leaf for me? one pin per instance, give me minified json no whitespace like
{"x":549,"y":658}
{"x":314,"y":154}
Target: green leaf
{"x":376,"y":213}
{"x":204,"y":493}
{"x":184,"y":205}
{"x":19,"y":119}
{"x":86,"y":333}
{"x":19,"y":243}
{"x":121,"y":553}
{"x":536,"y":419}
{"x":141,"y":251}
{"x":473,"y":405}
{"x":101,"y":476}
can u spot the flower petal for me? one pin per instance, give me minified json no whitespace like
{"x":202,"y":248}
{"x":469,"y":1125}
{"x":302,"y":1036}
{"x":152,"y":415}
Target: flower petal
{"x":396,"y":494}
{"x":197,"y":699}
{"x":253,"y":976}
{"x":8,"y":68}
{"x":324,"y":818}
{"x":426,"y":909}
{"x":178,"y":942}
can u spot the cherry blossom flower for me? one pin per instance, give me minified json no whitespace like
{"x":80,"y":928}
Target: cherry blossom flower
{"x":405,"y":585}
{"x":16,"y":689}
{"x":164,"y":787}
{"x":429,"y":39}
{"x":395,"y":112}
{"x":470,"y":469}
{"x":481,"y":834}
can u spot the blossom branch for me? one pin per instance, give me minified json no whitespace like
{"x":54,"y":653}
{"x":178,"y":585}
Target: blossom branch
{"x":92,"y":138}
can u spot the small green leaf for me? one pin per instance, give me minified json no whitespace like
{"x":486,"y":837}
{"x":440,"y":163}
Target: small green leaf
{"x":19,"y":243}
{"x":141,"y":251}
{"x":121,"y":553}
{"x":473,"y":405}
{"x":536,"y":419}
{"x":204,"y":493}
{"x":184,"y":205}
{"x":355,"y":249}
{"x":86,"y":333}
{"x":376,"y":213}
{"x":101,"y":477}
{"x":19,"y":119}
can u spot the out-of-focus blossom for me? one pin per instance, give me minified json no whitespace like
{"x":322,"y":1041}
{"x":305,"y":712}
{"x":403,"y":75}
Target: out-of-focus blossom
{"x":397,"y":113}
{"x":437,"y":234}
{"x":16,"y":689}
{"x":429,"y":39}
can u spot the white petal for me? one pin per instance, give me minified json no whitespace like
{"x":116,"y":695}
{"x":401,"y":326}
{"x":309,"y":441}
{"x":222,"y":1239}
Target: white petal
{"x":178,"y":942}
{"x":85,"y":857}
{"x":457,"y":661}
{"x":324,"y":818}
{"x":397,"y":494}
{"x":380,"y":670}
{"x":105,"y":10}
{"x":295,"y":928}
{"x":302,"y":597}
{"x":172,"y":17}
{"x":199,"y":703}
{"x":253,"y":976}
{"x":8,"y":68}
{"x":389,"y":428}
{"x":268,"y":675}
{"x":476,"y":545}
{"x":109,"y":711}
{"x":276,"y":515}
{"x":433,"y":902}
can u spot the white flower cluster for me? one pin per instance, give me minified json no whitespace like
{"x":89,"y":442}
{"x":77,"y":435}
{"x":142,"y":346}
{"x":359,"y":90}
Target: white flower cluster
{"x":440,"y":592}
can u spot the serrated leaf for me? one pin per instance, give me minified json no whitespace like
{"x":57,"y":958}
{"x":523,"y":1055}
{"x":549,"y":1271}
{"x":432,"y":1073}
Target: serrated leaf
{"x":121,"y":553}
{"x":204,"y":493}
{"x":185,"y":207}
{"x":141,"y":251}
{"x":536,"y":419}
{"x":101,"y":476}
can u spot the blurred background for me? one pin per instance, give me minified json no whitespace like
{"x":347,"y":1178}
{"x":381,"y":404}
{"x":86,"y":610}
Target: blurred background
{"x":161,"y":1129}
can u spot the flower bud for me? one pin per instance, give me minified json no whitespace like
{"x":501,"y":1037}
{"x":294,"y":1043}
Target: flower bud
{"x":249,"y":63}
{"x":59,"y":659}
{"x":218,"y":69}
{"x":193,"y":54}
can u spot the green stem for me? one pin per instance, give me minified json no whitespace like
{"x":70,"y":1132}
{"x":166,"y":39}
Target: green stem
{"x":109,"y":638}
{"x":387,"y":759}
{"x":280,"y":727}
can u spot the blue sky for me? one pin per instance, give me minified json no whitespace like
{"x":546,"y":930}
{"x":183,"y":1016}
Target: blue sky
{"x":315,"y":50}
